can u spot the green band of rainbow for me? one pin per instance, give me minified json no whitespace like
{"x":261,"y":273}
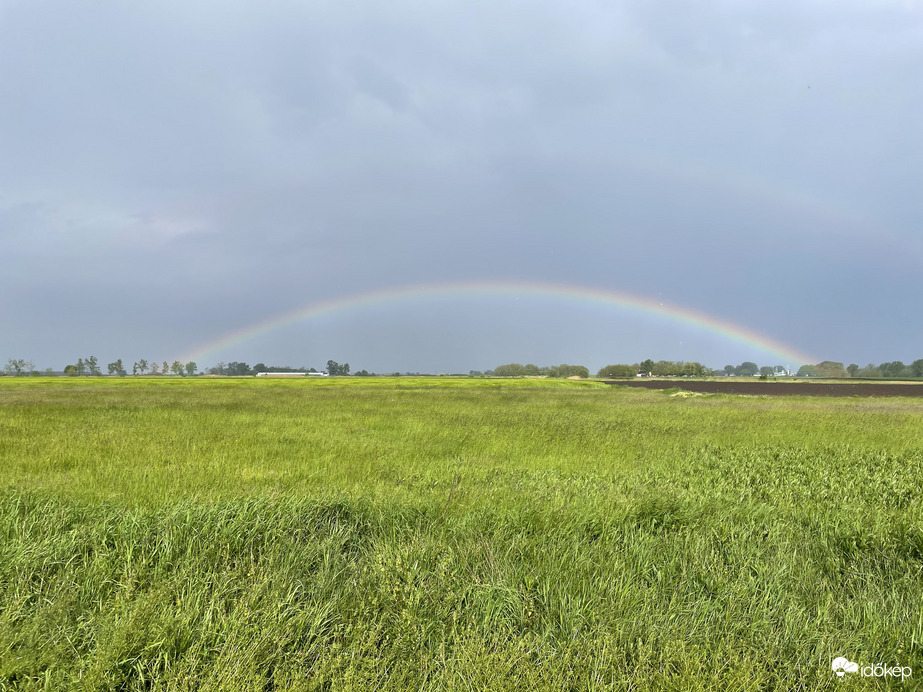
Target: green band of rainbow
{"x":580,"y":294}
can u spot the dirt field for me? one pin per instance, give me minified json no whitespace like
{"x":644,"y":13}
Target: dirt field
{"x":770,"y":388}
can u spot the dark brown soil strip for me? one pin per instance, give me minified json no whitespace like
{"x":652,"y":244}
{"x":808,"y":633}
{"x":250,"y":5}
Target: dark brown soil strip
{"x":771,"y":388}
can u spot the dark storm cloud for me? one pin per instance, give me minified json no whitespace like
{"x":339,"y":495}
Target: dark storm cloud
{"x":171,"y":172}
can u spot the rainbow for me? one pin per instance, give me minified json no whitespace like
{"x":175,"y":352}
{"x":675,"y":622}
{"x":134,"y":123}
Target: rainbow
{"x":482,"y":288}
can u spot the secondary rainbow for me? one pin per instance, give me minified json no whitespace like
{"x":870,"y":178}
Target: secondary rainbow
{"x":467,"y":289}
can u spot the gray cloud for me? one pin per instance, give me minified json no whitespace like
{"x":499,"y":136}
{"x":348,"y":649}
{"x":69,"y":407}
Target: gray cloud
{"x":173,"y":172}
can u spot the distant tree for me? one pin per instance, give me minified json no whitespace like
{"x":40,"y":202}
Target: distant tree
{"x":164,"y":368}
{"x":747,"y":369}
{"x":852,"y":369}
{"x":510,"y":370}
{"x":344,"y":369}
{"x":662,"y":368}
{"x":766,"y":371}
{"x":916,"y":368}
{"x":177,"y":368}
{"x":696,"y":369}
{"x":565,"y":370}
{"x":115,"y":368}
{"x":647,"y":366}
{"x":81,"y":367}
{"x":15,"y":367}
{"x":70,"y":370}
{"x":531,"y":370}
{"x":334,"y":368}
{"x":134,"y":368}
{"x":260,"y":367}
{"x":621,"y":371}
{"x":155,"y":369}
{"x":807,"y":371}
{"x":142,"y":366}
{"x":191,"y":368}
{"x":92,"y":364}
{"x":363,"y":373}
{"x":893,"y":369}
{"x":238,"y":369}
{"x":830,"y":368}
{"x":667,"y":368}
{"x":729,"y":370}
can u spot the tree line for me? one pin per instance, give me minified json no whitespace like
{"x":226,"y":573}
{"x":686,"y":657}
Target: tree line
{"x":236,"y":368}
{"x":888,"y":370}
{"x":824,"y":369}
{"x":90,"y":367}
{"x":660,"y":368}
{"x":530,"y":370}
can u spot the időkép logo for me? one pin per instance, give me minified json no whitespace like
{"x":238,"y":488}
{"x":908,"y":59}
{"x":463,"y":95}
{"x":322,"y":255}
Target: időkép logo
{"x":842,"y":665}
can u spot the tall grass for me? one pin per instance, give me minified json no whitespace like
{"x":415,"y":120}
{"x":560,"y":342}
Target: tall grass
{"x":433,"y":534}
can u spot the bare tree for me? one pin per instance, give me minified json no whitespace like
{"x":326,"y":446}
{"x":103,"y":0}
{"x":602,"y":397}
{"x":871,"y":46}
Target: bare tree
{"x":15,"y":366}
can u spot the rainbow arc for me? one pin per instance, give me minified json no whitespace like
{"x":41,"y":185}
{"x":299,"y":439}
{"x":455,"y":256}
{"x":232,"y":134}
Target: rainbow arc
{"x":465,"y":289}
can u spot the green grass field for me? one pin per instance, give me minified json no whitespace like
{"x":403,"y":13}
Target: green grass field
{"x":396,"y":534}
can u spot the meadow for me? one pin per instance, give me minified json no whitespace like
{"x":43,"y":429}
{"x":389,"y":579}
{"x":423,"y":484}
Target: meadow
{"x":437,"y":534}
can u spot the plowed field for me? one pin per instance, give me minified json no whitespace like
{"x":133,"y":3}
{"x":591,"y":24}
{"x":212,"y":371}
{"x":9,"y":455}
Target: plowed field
{"x":763,"y":388}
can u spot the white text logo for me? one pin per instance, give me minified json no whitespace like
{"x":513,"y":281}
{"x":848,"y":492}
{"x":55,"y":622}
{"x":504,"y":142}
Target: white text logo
{"x":842,"y":665}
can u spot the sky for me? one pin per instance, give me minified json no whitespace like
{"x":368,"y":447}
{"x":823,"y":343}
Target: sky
{"x":449,"y":186}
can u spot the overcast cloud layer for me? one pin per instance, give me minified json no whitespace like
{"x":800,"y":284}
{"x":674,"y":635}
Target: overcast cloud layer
{"x":174,"y":171}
